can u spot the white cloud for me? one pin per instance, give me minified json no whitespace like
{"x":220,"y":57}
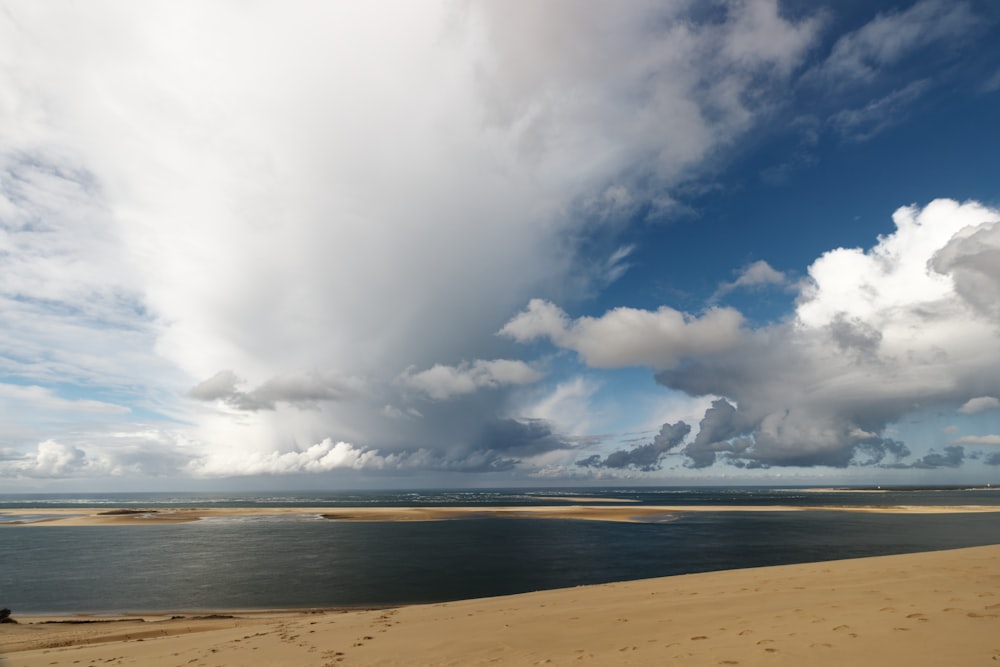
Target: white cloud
{"x":320,"y":457}
{"x":282,"y":200}
{"x":877,"y":334}
{"x":628,"y":336}
{"x":878,"y":115}
{"x":33,"y":397}
{"x":568,"y":406}
{"x":53,"y":459}
{"x":441,"y":382}
{"x":315,"y":215}
{"x":891,"y":37}
{"x":97,"y":455}
{"x":980,"y":404}
{"x":977,"y":440}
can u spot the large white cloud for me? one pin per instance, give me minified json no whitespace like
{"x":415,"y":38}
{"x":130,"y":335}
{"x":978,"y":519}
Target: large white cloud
{"x":441,"y":382}
{"x":877,"y":334}
{"x":629,"y":336}
{"x":313,"y":201}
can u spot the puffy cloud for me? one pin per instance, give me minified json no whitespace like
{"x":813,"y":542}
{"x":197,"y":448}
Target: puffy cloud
{"x":53,"y":459}
{"x":720,"y":430}
{"x":980,"y":404}
{"x":320,"y":457}
{"x":644,"y":457}
{"x":280,"y":197}
{"x":282,"y":200}
{"x":972,"y":260}
{"x":877,"y":334}
{"x":328,"y":456}
{"x":629,"y":336}
{"x":441,"y":382}
{"x":116,"y":455}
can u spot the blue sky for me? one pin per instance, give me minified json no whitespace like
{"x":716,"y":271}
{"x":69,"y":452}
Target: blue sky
{"x":491,"y":244}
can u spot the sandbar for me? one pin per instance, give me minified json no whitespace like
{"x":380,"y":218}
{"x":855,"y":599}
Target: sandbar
{"x":925,"y":609}
{"x":103,"y":516}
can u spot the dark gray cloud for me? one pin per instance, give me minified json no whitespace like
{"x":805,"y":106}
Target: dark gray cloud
{"x":720,"y":430}
{"x":972,"y":259}
{"x":521,"y":437}
{"x":874,"y":451}
{"x":855,"y":335}
{"x":952,"y":457}
{"x":644,"y":457}
{"x":303,"y":391}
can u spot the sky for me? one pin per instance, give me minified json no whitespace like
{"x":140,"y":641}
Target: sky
{"x":247,"y":245}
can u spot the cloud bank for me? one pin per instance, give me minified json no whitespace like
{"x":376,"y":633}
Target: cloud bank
{"x":877,"y":334}
{"x":238,"y":239}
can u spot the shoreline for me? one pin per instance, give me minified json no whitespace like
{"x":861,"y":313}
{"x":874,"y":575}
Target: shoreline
{"x":928,"y":608}
{"x":629,"y":513}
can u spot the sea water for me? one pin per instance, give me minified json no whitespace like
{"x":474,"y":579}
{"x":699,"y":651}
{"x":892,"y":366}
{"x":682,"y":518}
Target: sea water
{"x":304,"y":561}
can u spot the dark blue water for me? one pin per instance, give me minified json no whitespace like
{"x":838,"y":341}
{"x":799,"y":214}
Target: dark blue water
{"x":510,"y":497}
{"x":248,"y":563}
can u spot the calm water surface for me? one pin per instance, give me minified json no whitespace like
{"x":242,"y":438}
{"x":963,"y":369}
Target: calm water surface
{"x":309,"y":562}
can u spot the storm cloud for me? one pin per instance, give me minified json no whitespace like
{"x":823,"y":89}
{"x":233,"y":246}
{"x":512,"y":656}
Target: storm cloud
{"x":289,"y":245}
{"x":644,"y":457}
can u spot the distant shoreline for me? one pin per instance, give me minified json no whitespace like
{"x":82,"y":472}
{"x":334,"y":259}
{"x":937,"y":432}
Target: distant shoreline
{"x":628,"y":513}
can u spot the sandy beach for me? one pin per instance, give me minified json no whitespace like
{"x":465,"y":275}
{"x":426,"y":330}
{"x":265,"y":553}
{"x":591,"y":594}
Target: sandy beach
{"x":91,"y":516}
{"x":936,"y":608}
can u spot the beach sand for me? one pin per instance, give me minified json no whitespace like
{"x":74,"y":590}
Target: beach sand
{"x":937,"y":608}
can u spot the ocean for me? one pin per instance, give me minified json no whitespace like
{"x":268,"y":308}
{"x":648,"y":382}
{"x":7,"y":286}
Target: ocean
{"x":303,"y":561}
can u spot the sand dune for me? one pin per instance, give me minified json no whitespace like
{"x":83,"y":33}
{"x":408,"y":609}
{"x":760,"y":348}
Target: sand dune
{"x":938,"y":608}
